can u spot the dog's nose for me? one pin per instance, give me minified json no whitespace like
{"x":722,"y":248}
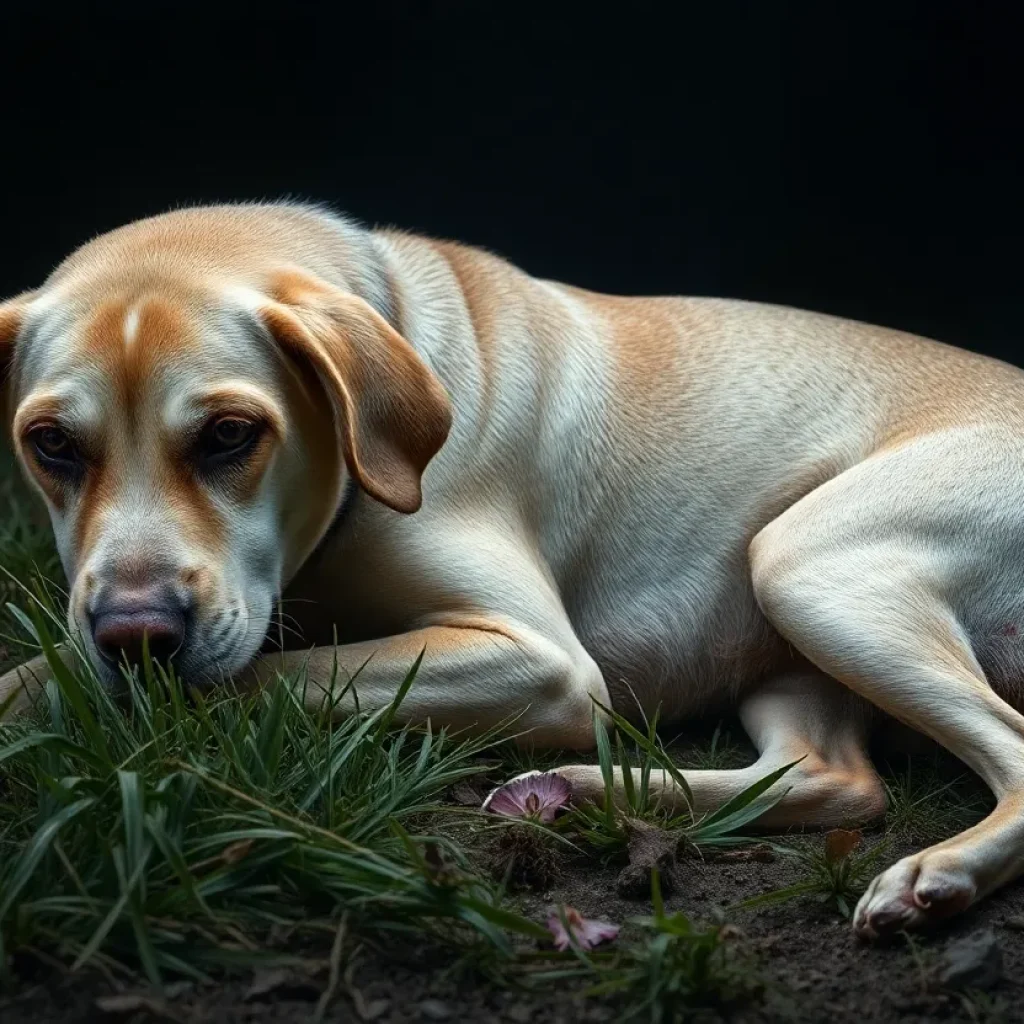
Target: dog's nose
{"x":120,"y":622}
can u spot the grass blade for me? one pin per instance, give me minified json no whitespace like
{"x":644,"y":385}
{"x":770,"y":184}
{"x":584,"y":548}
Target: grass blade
{"x":389,"y":717}
{"x":741,"y":809}
{"x":604,"y":757}
{"x":651,"y":748}
{"x":626,"y":768}
{"x":35,"y":850}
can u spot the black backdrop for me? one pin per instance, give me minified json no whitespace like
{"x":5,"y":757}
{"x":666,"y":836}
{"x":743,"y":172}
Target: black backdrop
{"x":858,"y":161}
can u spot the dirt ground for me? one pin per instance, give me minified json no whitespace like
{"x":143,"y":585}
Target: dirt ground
{"x":813,"y":967}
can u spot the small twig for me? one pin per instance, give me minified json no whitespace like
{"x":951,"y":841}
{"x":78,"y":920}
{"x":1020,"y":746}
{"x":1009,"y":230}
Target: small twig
{"x":51,"y":961}
{"x":335,"y":974}
{"x":74,"y":876}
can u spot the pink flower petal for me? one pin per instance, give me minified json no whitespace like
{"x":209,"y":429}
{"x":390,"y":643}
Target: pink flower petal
{"x":536,"y":795}
{"x":586,"y":932}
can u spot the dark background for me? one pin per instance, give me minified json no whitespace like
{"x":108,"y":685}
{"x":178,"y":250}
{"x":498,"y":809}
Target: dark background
{"x":861,"y":162}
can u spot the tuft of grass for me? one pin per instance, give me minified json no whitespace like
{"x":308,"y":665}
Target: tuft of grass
{"x":835,"y":875}
{"x":717,"y":753}
{"x":177,"y":832}
{"x":607,"y":826}
{"x":517,"y":759}
{"x":677,"y":966}
{"x":926,"y":805}
{"x":983,"y":1007}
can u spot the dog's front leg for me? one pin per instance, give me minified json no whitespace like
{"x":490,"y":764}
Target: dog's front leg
{"x":474,"y":675}
{"x":20,"y":687}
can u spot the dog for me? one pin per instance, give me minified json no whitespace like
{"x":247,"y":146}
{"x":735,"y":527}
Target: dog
{"x":560,"y":497}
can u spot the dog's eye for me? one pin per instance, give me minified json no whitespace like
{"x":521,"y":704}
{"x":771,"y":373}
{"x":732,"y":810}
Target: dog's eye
{"x":227,"y":438}
{"x":230,"y":433}
{"x":54,"y":448}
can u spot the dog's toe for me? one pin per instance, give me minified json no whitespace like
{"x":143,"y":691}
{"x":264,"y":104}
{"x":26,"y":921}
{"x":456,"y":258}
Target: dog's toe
{"x":888,"y":905}
{"x":914,"y":893}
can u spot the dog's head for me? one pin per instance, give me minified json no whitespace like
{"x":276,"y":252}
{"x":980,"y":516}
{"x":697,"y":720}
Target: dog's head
{"x":191,"y":400}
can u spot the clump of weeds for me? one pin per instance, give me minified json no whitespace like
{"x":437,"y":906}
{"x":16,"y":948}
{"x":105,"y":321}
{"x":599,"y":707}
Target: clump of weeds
{"x":169,"y":832}
{"x":634,"y":818}
{"x":835,"y":874}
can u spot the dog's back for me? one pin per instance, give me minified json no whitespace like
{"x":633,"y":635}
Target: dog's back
{"x":646,"y":441}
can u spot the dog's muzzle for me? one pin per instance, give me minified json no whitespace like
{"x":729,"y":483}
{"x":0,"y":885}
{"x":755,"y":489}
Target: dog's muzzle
{"x":122,"y":621}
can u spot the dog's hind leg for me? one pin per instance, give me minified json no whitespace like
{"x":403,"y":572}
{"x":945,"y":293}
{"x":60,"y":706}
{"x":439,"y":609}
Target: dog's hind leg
{"x":882,"y":577}
{"x":801,"y":715}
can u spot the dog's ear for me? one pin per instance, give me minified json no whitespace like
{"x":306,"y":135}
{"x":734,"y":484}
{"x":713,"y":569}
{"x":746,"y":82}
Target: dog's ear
{"x":391,"y":412}
{"x":12,"y":316}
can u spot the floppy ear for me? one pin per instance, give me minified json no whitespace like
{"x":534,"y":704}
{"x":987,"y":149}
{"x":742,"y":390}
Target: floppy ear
{"x":391,"y":412}
{"x":12,"y":316}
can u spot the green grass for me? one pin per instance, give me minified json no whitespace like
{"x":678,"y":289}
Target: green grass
{"x":174,"y":832}
{"x":170,"y":833}
{"x":607,"y":825}
{"x":834,"y":873}
{"x":26,"y":551}
{"x":177,"y":834}
{"x":929,"y":803}
{"x":719,"y":751}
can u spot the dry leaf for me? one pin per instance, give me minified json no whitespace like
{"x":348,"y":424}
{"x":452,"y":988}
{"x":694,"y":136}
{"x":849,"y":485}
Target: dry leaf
{"x":840,"y":843}
{"x":236,"y":851}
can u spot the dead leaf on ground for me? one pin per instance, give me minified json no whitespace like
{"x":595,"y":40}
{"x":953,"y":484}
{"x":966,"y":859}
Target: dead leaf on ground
{"x":840,"y":843}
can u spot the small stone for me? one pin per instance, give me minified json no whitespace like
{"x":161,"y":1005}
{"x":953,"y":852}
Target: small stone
{"x":434,"y":1009}
{"x":1015,"y":923}
{"x":972,"y":962}
{"x":128,"y":1004}
{"x":375,"y":1008}
{"x":280,"y":983}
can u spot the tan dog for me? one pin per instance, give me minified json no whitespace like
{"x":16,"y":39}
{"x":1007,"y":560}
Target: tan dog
{"x":703,"y":502}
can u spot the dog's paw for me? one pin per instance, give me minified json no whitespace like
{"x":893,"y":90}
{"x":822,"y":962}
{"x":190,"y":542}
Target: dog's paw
{"x":914,"y":893}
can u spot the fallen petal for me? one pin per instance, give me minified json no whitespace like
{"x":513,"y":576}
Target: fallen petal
{"x":535,"y":795}
{"x":585,"y":932}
